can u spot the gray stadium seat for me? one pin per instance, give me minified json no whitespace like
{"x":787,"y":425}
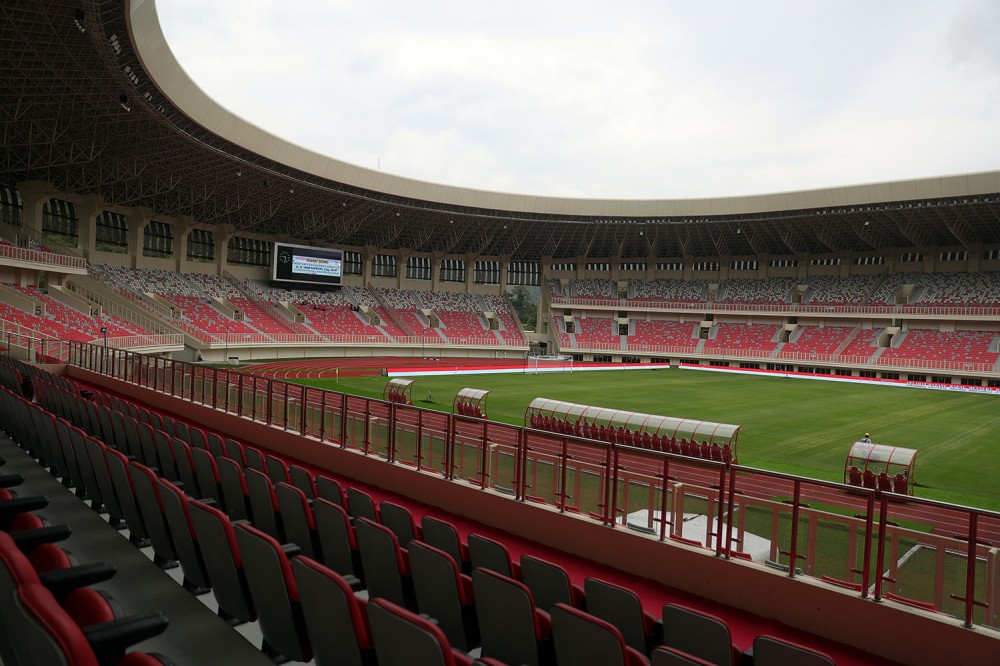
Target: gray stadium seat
{"x":445,"y":594}
{"x":584,"y":640}
{"x":386,"y":565}
{"x":549,"y":583}
{"x":622,"y":608}
{"x":511,"y":628}
{"x":699,"y":634}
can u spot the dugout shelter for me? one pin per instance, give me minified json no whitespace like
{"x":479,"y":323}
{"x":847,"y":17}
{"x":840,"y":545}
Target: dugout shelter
{"x":471,"y":402}
{"x":880,"y":466}
{"x":398,"y":390}
{"x":701,"y":439}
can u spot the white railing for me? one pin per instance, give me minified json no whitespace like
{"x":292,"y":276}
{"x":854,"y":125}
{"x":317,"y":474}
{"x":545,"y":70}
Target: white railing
{"x":15,"y":253}
{"x":140,"y":341}
{"x":782,"y":357}
{"x":118,"y":310}
{"x":705,"y":306}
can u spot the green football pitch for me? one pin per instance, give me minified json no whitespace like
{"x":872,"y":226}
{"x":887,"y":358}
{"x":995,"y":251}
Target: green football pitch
{"x":797,"y":426}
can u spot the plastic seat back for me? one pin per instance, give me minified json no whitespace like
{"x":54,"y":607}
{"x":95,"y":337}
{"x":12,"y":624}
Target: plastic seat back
{"x":206,"y":474}
{"x":221,"y":555}
{"x":398,"y":519}
{"x":297,"y":519}
{"x":444,"y":593}
{"x":330,"y":490}
{"x":621,"y":607}
{"x":175,"y":509}
{"x":337,"y":540}
{"x":489,"y":554}
{"x":698,"y":634}
{"x":337,"y":621}
{"x":276,"y":469}
{"x":275,"y":594}
{"x":147,"y":493}
{"x":185,"y":467}
{"x":360,"y":504}
{"x":403,"y":638}
{"x":122,"y":480}
{"x":771,"y":651}
{"x":511,"y":628}
{"x":233,"y":488}
{"x":387,"y":572}
{"x":263,"y":503}
{"x":668,"y":656}
{"x":443,"y":535}
{"x":303,"y":480}
{"x":585,"y":640}
{"x":549,"y":583}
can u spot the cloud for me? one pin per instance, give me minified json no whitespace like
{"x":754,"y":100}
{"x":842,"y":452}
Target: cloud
{"x":644,"y":99}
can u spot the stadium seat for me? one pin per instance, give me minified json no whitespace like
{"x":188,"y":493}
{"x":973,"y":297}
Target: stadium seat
{"x":549,"y":583}
{"x":854,"y":476}
{"x":233,"y":486}
{"x":444,"y":593}
{"x":699,"y":634}
{"x":585,"y":640}
{"x":403,"y":638}
{"x":489,"y":554}
{"x":276,"y":469}
{"x":771,"y":651}
{"x":512,"y":629}
{"x":234,"y":451}
{"x":386,"y":565}
{"x":95,"y":451}
{"x":330,"y":490}
{"x":623,"y":609}
{"x":303,"y":480}
{"x":264,"y":510}
{"x":221,"y":555}
{"x":165,"y":456}
{"x":49,"y":636}
{"x":206,"y":474}
{"x":443,"y":535}
{"x":398,"y":519}
{"x":337,"y":541}
{"x":668,"y":656}
{"x":274,"y":593}
{"x":175,"y":510}
{"x":361,"y":505}
{"x":147,"y":495}
{"x":336,"y":620}
{"x":118,"y":469}
{"x":181,"y":451}
{"x":298,"y":520}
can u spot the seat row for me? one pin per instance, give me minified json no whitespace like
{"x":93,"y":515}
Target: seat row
{"x":47,"y":609}
{"x":375,"y":545}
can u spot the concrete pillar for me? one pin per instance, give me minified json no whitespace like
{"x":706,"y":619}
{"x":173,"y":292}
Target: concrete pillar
{"x":34,"y":194}
{"x":138,"y":219}
{"x":87,"y":211}
{"x":181,"y":230}
{"x":221,"y":236}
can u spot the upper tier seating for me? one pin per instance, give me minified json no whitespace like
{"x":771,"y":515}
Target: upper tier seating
{"x":775,"y":291}
{"x":668,"y":289}
{"x":594,"y":288}
{"x":746,"y":337}
{"x":831,"y":290}
{"x":958,"y":289}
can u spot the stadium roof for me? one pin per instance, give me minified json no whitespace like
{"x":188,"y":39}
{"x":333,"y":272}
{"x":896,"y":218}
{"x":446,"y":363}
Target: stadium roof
{"x":92,"y":101}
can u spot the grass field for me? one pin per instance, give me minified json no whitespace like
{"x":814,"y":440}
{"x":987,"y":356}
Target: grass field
{"x":797,"y":426}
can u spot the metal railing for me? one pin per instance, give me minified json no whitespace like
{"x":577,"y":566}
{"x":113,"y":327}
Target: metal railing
{"x":797,"y":308}
{"x":897,"y":548}
{"x":15,"y":253}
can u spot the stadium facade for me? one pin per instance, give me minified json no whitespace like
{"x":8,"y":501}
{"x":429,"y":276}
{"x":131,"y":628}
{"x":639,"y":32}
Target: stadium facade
{"x":118,"y":171}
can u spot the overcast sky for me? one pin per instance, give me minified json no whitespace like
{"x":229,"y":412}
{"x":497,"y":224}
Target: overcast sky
{"x":645,"y":99}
